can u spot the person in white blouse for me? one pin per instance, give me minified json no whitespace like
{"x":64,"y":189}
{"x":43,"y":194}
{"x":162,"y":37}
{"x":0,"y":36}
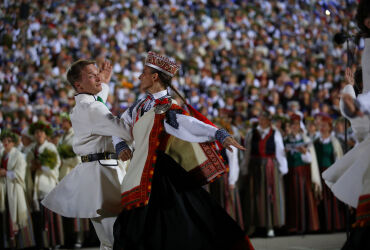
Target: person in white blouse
{"x":164,"y":205}
{"x":350,"y":179}
{"x":16,"y":227}
{"x":93,"y":188}
{"x":44,"y":162}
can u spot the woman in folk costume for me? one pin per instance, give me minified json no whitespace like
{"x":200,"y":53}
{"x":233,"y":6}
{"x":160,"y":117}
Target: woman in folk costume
{"x":303,"y":183}
{"x":44,"y":162}
{"x":225,"y":189}
{"x":351,"y":179}
{"x":261,"y":186}
{"x":15,"y":221}
{"x":74,"y":229}
{"x":358,"y":175}
{"x":68,"y":158}
{"x":328,"y":150}
{"x":164,"y":205}
{"x":27,"y":144}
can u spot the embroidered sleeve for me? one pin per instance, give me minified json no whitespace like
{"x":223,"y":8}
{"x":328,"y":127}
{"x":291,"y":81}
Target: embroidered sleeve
{"x":121,"y":146}
{"x":221,"y":135}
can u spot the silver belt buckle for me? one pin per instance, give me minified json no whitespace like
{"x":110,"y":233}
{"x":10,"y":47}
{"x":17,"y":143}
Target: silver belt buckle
{"x":84,"y":158}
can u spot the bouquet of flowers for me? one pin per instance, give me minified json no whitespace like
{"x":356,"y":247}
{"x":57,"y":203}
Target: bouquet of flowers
{"x":48,"y":158}
{"x":66,"y":151}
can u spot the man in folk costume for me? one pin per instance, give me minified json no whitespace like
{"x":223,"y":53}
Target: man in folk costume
{"x":303,"y":183}
{"x":15,"y":221}
{"x":92,"y":189}
{"x":44,"y":162}
{"x":328,"y":150}
{"x":74,"y":228}
{"x":261,"y":186}
{"x":164,"y":205}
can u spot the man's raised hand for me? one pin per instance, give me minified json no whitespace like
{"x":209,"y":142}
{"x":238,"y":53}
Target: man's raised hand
{"x":106,"y":71}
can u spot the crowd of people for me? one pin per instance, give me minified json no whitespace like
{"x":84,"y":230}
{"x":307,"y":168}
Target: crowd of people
{"x":267,"y":66}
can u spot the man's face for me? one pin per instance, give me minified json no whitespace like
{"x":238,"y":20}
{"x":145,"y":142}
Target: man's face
{"x":90,"y":81}
{"x":264,"y":122}
{"x":146,"y":78}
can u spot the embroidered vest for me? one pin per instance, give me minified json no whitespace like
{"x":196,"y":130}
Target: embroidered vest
{"x":200,"y":160}
{"x":263,"y":147}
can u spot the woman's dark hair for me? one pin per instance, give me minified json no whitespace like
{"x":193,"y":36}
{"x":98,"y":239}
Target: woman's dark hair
{"x":166,"y":82}
{"x":363,"y":12}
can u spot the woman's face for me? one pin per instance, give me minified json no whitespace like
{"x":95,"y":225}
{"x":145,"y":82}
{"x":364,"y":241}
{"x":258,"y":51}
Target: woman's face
{"x":8,"y":144}
{"x":296,"y":127}
{"x":325,"y":128}
{"x":40,"y":136}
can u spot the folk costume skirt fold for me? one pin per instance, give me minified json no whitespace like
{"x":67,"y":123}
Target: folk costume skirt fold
{"x":331,"y":211}
{"x":180,"y":215}
{"x":300,"y":201}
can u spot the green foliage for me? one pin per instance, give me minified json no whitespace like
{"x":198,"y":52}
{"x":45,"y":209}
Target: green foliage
{"x":8,"y":134}
{"x":66,"y":151}
{"x":48,"y":158}
{"x":41,"y":126}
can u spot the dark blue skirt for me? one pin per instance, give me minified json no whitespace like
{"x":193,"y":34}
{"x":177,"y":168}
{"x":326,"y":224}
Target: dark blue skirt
{"x":359,"y":239}
{"x":179,"y":215}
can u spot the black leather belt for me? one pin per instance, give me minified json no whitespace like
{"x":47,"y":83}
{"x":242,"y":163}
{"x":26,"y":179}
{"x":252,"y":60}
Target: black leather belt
{"x":99,"y":156}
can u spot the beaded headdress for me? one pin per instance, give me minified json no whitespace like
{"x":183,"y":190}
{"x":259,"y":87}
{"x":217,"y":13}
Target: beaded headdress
{"x":162,"y":64}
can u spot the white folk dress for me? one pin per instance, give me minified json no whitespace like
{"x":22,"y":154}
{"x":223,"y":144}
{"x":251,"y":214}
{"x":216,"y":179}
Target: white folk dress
{"x":347,"y":177}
